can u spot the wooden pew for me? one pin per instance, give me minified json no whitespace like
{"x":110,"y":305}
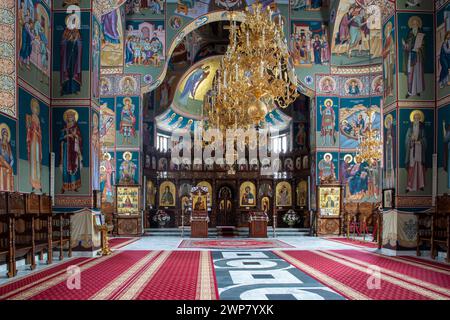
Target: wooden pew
{"x":45,"y":220}
{"x":61,"y":233}
{"x":24,"y":228}
{"x":441,"y":226}
{"x":7,"y":244}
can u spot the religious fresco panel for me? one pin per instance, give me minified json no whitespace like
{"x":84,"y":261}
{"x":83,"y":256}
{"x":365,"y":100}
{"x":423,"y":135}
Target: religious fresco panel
{"x":415,"y":149}
{"x":96,"y":153}
{"x":389,"y":62}
{"x":34,"y":159}
{"x":145,"y":9}
{"x":107,"y":179}
{"x":354,"y":119}
{"x":107,"y":122}
{"x":64,"y":4}
{"x":310,"y":8}
{"x":145,"y":47}
{"x":443,"y":148}
{"x":310,"y":48}
{"x":95,"y":59}
{"x":33,"y":44}
{"x":71,"y":55}
{"x":356,"y":36}
{"x":443,"y":51}
{"x":71,"y":144}
{"x":8,"y":154}
{"x":390,"y":150}
{"x":112,"y":38}
{"x":416,"y":5}
{"x":327,"y":166}
{"x":127,"y":121}
{"x":327,"y":113}
{"x":127,"y":170}
{"x":351,"y":86}
{"x":327,"y":84}
{"x":415,"y":56}
{"x":360,"y":179}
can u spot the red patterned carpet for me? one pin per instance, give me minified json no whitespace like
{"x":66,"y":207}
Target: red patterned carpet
{"x":171,"y":275}
{"x":355,"y":243}
{"x":354,"y":274}
{"x":234,"y":244}
{"x":117,"y":243}
{"x":424,"y":261}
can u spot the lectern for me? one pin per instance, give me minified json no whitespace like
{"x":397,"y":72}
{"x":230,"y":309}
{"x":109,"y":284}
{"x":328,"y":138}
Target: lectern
{"x":258,"y":225}
{"x":199,"y":215}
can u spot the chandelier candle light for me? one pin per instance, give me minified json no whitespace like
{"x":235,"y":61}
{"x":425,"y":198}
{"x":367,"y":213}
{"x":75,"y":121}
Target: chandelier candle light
{"x":254,"y":75}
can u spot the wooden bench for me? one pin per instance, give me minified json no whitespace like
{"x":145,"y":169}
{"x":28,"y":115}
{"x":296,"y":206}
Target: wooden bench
{"x":7,"y":245}
{"x":61,"y":233}
{"x":24,"y":228}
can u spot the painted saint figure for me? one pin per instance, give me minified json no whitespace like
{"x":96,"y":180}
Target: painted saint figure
{"x":192,"y":84}
{"x":415,"y":148}
{"x":127,"y":169}
{"x":248,"y":198}
{"x":95,"y":144}
{"x":6,"y":159}
{"x":26,"y":36}
{"x":444,"y":60}
{"x":71,"y":51}
{"x":414,"y":57}
{"x":167,"y":197}
{"x":106,"y":177}
{"x":71,"y":159}
{"x":328,"y":123}
{"x":326,"y":168}
{"x":388,"y":60}
{"x":34,"y":145}
{"x":389,"y":153}
{"x":127,"y":121}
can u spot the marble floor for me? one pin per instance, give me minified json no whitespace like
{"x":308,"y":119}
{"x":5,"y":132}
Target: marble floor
{"x":171,"y":243}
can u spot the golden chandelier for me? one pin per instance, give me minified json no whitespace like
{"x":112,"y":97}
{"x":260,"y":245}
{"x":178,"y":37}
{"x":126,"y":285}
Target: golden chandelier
{"x":254,"y":75}
{"x":370,"y":144}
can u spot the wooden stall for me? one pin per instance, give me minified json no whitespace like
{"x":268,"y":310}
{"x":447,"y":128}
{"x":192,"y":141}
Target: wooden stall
{"x":329,"y":204}
{"x":199,"y":215}
{"x":127,"y":215}
{"x":258,"y":224}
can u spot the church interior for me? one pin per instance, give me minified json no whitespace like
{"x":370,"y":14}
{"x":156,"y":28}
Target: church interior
{"x":224,"y":150}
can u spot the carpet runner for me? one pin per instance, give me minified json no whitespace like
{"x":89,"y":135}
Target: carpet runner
{"x":354,"y":242}
{"x":117,"y":243}
{"x":124,"y":275}
{"x":359,"y":280}
{"x":234,"y":244}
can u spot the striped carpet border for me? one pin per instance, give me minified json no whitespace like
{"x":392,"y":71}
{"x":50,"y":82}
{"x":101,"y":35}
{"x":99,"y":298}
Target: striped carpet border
{"x":356,"y":244}
{"x":412,"y":263}
{"x":125,"y":278}
{"x":46,"y":278}
{"x":385,"y":277}
{"x":400,"y":276}
{"x":206,"y":281}
{"x":35,"y":290}
{"x":328,"y":281}
{"x":424,"y":261}
{"x":136,"y":287}
{"x":123,"y":244}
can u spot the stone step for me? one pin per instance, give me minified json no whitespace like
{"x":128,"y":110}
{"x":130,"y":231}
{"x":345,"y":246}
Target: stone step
{"x":216,"y":232}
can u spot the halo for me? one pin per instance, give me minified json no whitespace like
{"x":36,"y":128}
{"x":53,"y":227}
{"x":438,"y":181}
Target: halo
{"x":348,"y":156}
{"x":34,"y":104}
{"x":414,"y":18}
{"x":107,"y":156}
{"x":70,"y":111}
{"x":328,"y":100}
{"x":4,"y":126}
{"x":124,"y":157}
{"x":328,"y":154}
{"x":413,"y":113}
{"x":76,"y":21}
{"x":389,"y":119}
{"x":126,"y":99}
